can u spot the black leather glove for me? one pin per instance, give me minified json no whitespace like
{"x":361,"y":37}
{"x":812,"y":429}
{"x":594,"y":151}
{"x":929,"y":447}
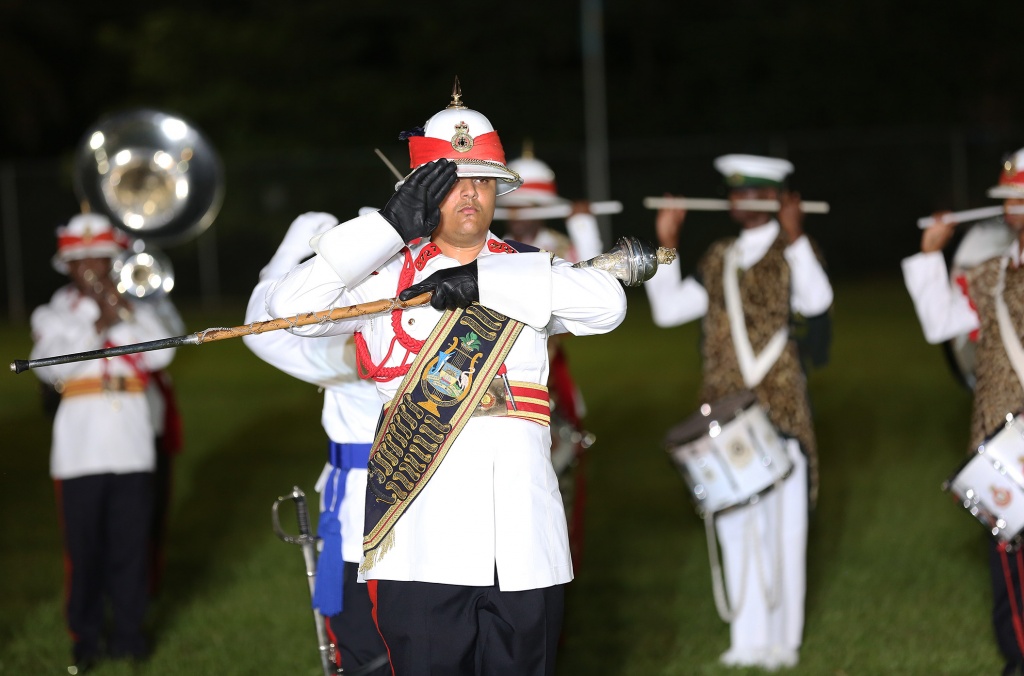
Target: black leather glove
{"x":413,"y":210}
{"x":452,"y":288}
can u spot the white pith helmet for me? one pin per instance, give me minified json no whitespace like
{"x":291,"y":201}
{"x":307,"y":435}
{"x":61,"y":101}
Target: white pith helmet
{"x":1011,"y":180}
{"x":538,"y":188}
{"x":88,"y":235}
{"x":465,"y":137}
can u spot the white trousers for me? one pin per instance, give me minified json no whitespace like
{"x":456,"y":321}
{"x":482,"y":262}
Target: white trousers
{"x":764,"y":550}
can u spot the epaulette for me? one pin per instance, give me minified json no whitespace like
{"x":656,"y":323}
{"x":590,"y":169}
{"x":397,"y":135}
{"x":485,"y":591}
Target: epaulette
{"x":520,"y":247}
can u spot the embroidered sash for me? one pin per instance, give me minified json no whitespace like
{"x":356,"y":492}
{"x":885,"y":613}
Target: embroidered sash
{"x":436,"y":399}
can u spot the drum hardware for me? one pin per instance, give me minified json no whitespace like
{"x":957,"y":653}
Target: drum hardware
{"x":567,"y":444}
{"x":731,"y":456}
{"x":990,"y":484}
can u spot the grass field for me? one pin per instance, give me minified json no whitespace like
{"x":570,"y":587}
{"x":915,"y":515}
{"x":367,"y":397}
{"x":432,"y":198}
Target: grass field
{"x":897,"y":575}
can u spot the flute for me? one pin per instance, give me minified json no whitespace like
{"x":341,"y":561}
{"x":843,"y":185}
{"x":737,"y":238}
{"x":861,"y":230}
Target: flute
{"x":554,"y":211}
{"x":706,"y":204}
{"x":970,"y":215}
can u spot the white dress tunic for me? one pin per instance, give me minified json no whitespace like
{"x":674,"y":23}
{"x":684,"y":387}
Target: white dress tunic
{"x":107,"y":432}
{"x":493,"y":504}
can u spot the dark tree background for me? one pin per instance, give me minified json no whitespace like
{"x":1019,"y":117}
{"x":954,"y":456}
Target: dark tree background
{"x":868,"y":98}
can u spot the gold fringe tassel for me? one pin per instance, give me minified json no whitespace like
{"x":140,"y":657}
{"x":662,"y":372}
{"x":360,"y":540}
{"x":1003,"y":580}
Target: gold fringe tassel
{"x":372,"y":557}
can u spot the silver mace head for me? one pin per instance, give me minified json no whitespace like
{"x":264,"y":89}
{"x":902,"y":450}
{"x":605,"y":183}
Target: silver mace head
{"x":632,"y":261}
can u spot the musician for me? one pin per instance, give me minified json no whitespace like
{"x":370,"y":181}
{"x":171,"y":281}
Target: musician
{"x":749,"y":342}
{"x":582,"y":243}
{"x":539,"y":190}
{"x":350,"y":413}
{"x":466,"y":547}
{"x":102,"y":456}
{"x":986,"y":304}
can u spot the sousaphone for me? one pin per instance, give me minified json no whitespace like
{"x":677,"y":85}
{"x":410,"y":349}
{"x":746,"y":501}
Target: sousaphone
{"x":157,"y":178}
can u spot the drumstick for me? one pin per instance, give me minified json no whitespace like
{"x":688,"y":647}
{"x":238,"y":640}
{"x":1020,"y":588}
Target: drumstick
{"x":554,"y":211}
{"x":970,"y":215}
{"x":705,"y":204}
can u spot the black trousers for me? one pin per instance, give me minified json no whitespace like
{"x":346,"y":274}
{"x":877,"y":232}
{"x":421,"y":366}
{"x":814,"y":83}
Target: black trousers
{"x":353,"y":630}
{"x":450,"y":630}
{"x":106,"y":522}
{"x":1004,"y":599}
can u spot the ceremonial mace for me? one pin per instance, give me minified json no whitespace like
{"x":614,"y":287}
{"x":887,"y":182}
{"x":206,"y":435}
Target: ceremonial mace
{"x":631,"y":261}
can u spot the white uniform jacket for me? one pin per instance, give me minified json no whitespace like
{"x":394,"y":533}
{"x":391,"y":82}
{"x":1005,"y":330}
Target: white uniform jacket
{"x":351,"y":406}
{"x":942,"y":307}
{"x":108,"y":431}
{"x":493,"y":504}
{"x":675,"y":300}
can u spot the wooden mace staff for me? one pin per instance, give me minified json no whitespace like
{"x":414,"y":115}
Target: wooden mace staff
{"x":221,"y":333}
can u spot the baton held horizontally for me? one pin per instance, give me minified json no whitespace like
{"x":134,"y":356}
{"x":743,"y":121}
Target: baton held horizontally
{"x":212,"y":334}
{"x":631,"y":261}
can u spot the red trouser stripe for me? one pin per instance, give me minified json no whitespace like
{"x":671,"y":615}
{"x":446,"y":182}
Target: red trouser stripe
{"x":1018,"y":628}
{"x":371,"y":588}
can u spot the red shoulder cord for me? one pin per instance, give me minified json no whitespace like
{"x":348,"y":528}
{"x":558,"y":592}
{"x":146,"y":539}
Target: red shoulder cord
{"x":365,"y":367}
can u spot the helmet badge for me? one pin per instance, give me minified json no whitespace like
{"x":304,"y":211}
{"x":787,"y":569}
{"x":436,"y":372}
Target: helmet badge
{"x":462,"y":141}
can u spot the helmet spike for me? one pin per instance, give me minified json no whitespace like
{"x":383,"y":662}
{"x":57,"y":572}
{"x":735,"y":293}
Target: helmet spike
{"x":457,"y":95}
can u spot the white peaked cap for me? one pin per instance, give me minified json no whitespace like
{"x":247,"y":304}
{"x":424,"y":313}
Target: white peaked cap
{"x":753,"y":170}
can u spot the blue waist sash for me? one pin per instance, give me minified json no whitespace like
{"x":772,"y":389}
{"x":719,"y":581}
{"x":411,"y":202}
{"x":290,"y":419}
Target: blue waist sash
{"x":328,"y":592}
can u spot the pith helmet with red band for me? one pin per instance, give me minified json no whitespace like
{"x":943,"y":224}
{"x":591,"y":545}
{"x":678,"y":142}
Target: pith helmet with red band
{"x":87,"y":236}
{"x":465,"y":137}
{"x":1011,"y":180}
{"x":538,"y":188}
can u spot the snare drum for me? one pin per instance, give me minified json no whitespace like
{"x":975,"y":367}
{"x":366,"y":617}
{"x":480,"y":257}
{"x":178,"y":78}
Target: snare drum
{"x":729,"y":453}
{"x":990,"y":484}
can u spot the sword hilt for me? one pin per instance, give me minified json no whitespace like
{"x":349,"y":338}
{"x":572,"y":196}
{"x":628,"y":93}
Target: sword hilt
{"x":305,"y":535}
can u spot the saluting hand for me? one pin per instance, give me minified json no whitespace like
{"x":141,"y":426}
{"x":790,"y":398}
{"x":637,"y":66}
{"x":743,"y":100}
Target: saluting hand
{"x":668,"y":224}
{"x":937,"y":236}
{"x":791,"y":216}
{"x":414,"y":210}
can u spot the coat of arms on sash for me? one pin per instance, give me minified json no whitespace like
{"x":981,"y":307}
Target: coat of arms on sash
{"x":445,"y":384}
{"x":449,"y":375}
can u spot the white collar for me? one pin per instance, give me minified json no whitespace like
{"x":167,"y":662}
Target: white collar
{"x":753,"y":243}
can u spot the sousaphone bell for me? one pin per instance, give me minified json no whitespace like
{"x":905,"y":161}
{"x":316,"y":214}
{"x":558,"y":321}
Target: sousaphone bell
{"x":157,"y":178}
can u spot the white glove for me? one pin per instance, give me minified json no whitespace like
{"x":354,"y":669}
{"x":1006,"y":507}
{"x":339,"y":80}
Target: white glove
{"x":296,"y":243}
